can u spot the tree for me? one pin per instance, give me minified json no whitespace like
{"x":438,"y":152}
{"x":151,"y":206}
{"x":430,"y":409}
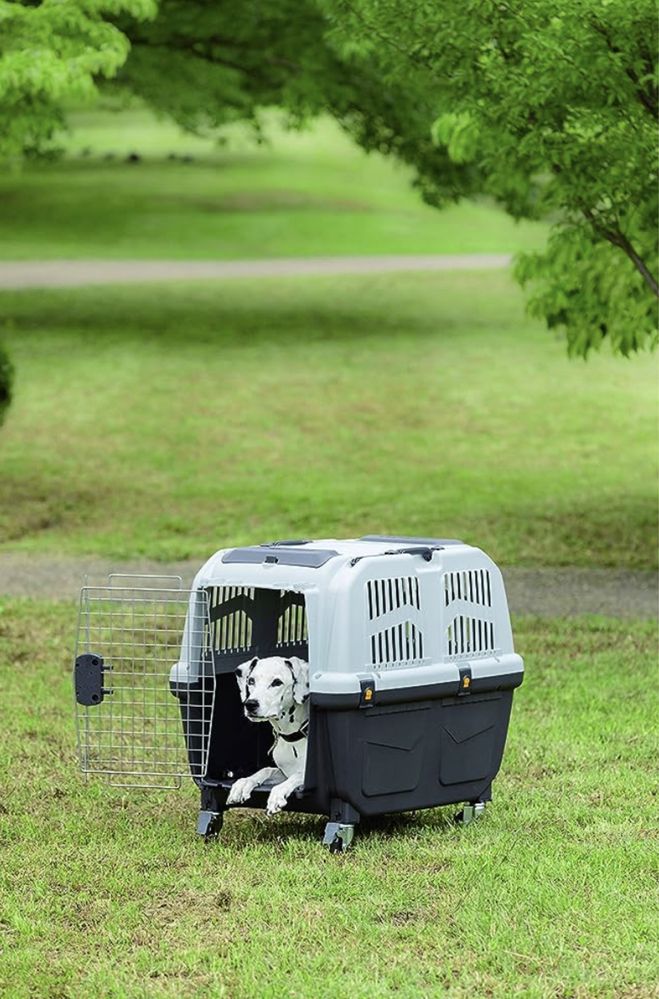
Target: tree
{"x":50,"y":53}
{"x":206,"y":65}
{"x":551,"y":112}
{"x":555,"y":107}
{"x":549,"y":109}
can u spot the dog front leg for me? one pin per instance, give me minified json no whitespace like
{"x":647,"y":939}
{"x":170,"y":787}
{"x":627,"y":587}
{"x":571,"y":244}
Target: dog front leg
{"x":280,"y":794}
{"x":242,"y":788}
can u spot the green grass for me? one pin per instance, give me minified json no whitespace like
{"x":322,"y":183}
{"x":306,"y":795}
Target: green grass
{"x":170,"y":421}
{"x":106,"y":894}
{"x":308,"y":194}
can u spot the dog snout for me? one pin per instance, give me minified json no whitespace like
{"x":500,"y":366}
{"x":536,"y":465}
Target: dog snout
{"x":251,"y":705}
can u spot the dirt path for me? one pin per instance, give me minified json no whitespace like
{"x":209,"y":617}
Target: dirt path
{"x":548,"y":592}
{"x":69,"y":273}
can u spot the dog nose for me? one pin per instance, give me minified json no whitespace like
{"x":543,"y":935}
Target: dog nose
{"x":251,"y":705}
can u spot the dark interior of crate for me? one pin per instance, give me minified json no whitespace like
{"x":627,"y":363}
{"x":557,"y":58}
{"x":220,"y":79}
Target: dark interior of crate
{"x":247,"y":622}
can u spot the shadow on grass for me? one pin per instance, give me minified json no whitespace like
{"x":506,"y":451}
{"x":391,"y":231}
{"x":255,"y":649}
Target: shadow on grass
{"x":281,"y":310}
{"x":245,"y":830}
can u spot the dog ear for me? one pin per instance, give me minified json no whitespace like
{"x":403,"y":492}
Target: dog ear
{"x":300,"y":670}
{"x":246,"y":667}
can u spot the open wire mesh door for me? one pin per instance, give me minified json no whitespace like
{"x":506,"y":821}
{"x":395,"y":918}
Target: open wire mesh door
{"x":137,"y":646}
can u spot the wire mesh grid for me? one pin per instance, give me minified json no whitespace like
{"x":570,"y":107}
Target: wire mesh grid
{"x":135,"y":736}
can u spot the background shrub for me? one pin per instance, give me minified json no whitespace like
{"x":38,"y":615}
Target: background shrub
{"x":6,"y":380}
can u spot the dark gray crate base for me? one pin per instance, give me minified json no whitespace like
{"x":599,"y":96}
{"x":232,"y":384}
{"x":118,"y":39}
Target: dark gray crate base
{"x":379,"y":760}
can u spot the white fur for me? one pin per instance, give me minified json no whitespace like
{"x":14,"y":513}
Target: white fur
{"x":277,"y":691}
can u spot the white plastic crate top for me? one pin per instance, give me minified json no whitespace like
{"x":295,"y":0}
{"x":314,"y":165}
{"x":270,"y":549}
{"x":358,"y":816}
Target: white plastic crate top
{"x":408,"y":612}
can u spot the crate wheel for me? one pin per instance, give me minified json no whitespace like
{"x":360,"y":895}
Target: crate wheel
{"x":469,"y":813}
{"x":338,"y":836}
{"x":209,"y":825}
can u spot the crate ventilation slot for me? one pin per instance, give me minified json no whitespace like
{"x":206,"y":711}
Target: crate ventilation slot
{"x":292,"y":624}
{"x":471,"y":585}
{"x":394,"y":606}
{"x":230,"y":611}
{"x":386,"y":595}
{"x":469,"y":635}
{"x":396,"y":646}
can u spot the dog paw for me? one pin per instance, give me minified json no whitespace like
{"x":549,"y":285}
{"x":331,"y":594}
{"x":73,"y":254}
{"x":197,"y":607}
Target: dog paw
{"x":240,"y":791}
{"x":276,"y":801}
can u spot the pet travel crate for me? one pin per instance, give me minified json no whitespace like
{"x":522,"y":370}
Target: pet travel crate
{"x":411,"y":675}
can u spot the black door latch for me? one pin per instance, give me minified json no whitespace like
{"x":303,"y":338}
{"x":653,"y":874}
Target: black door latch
{"x":89,"y":670}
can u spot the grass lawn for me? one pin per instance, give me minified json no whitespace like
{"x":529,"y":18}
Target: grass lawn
{"x":308,"y":194}
{"x":551,"y":894}
{"x":172,"y":420}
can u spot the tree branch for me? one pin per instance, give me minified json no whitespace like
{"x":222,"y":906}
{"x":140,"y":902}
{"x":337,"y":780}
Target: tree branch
{"x":192,"y":48}
{"x":649,"y":98}
{"x":617,"y":238}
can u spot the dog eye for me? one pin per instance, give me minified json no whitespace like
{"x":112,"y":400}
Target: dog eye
{"x":277,"y":683}
{"x":250,"y":682}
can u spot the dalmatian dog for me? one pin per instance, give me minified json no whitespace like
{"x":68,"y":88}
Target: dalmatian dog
{"x":276,"y":690}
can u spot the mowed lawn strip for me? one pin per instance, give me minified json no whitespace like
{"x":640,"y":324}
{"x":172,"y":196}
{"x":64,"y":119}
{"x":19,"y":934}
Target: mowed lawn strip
{"x":169,"y":421}
{"x":106,"y":893}
{"x":312,"y":193}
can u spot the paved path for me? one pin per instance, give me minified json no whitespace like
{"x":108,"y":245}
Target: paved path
{"x":547,"y":592}
{"x":69,"y":273}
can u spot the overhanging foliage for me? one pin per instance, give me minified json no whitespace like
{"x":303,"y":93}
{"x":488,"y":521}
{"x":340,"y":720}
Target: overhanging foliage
{"x":550,"y":111}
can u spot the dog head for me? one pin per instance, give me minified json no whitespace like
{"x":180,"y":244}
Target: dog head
{"x":270,"y":688}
